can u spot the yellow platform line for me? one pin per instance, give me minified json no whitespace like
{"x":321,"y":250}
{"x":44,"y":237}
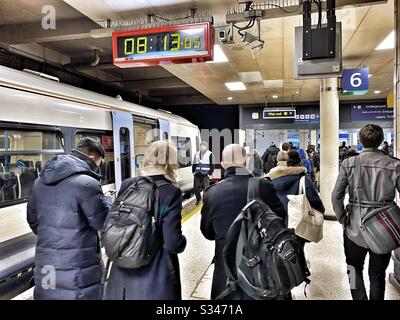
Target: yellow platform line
{"x":191,"y":213}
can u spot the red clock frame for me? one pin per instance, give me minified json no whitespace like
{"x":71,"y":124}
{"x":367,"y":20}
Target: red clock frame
{"x":209,"y":35}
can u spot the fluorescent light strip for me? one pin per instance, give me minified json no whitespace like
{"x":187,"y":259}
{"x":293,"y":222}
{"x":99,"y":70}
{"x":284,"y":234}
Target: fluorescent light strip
{"x":387,"y":43}
{"x":235,"y":86}
{"x":219,"y":55}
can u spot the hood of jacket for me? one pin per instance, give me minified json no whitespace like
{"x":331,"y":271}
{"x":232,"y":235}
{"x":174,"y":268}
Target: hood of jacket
{"x":65,"y":166}
{"x":303,"y":154}
{"x":281,"y":171}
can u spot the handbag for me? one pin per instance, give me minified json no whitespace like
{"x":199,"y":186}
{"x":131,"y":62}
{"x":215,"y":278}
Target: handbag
{"x":307,"y":222}
{"x":380,"y":221}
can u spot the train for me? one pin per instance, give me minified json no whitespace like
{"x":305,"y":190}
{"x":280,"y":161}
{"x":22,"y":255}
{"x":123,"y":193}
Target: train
{"x":41,"y":118}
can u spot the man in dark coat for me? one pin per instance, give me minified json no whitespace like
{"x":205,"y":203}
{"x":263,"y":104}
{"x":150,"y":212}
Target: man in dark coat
{"x":269,"y":157}
{"x":66,"y":209}
{"x":222,"y":204}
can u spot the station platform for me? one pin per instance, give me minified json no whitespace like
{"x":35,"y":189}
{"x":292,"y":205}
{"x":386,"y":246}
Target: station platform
{"x":329,"y":280}
{"x":327,"y":265}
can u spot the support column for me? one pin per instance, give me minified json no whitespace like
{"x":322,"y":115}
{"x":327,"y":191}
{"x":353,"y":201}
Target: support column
{"x":313,"y":137}
{"x":303,"y":138}
{"x":397,"y":78}
{"x":329,"y":119}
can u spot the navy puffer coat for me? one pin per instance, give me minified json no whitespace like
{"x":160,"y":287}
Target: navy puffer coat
{"x":66,"y":209}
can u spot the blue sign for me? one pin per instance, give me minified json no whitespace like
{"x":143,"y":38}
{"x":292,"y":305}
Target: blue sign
{"x":371,"y":112}
{"x":356,"y":79}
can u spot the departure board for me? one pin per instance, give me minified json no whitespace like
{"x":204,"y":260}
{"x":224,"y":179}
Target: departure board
{"x":182,"y":42}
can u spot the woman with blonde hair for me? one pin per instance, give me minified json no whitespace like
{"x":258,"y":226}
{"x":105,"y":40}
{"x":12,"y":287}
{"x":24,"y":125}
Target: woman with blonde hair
{"x":160,"y":279}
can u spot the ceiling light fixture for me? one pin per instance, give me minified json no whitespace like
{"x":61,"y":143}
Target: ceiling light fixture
{"x":370,"y":75}
{"x":219,"y":55}
{"x":275,"y":96}
{"x":235,"y":86}
{"x":387,"y":43}
{"x":377,"y":91}
{"x":230,"y":98}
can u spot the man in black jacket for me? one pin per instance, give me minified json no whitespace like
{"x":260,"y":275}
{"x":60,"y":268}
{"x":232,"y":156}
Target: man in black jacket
{"x":269,"y":158}
{"x":66,"y":208}
{"x":222,"y":204}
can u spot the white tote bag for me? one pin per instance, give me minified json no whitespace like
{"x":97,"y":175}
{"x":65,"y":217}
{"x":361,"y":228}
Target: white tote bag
{"x":307,"y":222}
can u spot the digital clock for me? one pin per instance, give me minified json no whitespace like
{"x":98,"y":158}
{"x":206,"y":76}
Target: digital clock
{"x":178,"y":44}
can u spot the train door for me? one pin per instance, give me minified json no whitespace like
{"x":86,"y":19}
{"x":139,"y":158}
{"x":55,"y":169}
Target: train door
{"x":164,"y":129}
{"x":124,"y":146}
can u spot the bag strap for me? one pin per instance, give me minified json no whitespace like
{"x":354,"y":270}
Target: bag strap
{"x":358,"y":181}
{"x":253,"y":189}
{"x":302,"y":185}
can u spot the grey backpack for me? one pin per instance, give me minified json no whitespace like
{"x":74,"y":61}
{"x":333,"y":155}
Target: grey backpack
{"x":132,"y":234}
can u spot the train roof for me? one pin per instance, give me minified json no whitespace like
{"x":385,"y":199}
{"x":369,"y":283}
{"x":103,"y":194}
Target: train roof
{"x":33,"y":83}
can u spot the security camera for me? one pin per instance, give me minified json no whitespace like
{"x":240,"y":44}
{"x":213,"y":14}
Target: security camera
{"x":225,"y":34}
{"x":253,"y":41}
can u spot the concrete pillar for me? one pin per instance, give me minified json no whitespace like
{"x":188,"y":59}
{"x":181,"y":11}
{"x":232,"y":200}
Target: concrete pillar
{"x":329,"y":119}
{"x":303,"y":137}
{"x":397,"y":78}
{"x":313,"y":137}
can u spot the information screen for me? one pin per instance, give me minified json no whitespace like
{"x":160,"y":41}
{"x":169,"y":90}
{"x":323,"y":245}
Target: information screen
{"x":167,"y":43}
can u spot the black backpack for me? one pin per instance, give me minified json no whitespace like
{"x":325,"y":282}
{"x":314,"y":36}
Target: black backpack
{"x":270,"y":159}
{"x":132,"y":234}
{"x":261,"y":255}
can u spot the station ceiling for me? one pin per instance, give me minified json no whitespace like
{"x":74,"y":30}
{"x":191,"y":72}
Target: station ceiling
{"x":270,"y":73}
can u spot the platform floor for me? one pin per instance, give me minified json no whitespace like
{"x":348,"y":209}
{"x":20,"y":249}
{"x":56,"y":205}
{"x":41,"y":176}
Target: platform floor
{"x":327,"y":265}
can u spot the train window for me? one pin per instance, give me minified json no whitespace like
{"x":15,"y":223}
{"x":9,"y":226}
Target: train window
{"x":145,"y":134}
{"x":23,"y":153}
{"x":184,"y":147}
{"x":106,"y":169}
{"x":125,"y":153}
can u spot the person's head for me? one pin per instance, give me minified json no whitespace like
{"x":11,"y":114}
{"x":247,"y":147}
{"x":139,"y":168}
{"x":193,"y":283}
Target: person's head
{"x":92,"y":148}
{"x":282,"y":156}
{"x":343,"y":143}
{"x":311,"y":148}
{"x":386,"y":144}
{"x":294,"y":159}
{"x":371,"y":136}
{"x":163,"y":157}
{"x":233,"y":155}
{"x":285,"y":146}
{"x":203,"y":146}
{"x":255,"y":152}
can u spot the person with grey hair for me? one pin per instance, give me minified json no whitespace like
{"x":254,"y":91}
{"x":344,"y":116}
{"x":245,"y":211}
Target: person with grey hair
{"x":222,"y":204}
{"x":202,"y":168}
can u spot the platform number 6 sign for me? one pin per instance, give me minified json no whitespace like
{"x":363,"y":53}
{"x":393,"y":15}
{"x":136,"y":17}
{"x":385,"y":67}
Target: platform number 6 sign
{"x":356,"y":79}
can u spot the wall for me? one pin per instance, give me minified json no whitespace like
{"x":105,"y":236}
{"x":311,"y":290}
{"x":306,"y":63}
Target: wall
{"x":246,"y":122}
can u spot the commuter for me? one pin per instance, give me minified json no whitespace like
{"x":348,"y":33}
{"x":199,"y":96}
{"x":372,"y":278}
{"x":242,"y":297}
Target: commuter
{"x":269,"y":157}
{"x":222,"y":204}
{"x":202,"y":168}
{"x":313,"y":156}
{"x":380,"y":180}
{"x":385,"y":148}
{"x":343,"y":149}
{"x":305,"y":162}
{"x":286,"y":146}
{"x":66,"y":209}
{"x":160,"y":279}
{"x":282,"y":162}
{"x":351,"y":153}
{"x":391,"y":148}
{"x":286,"y":182}
{"x":254,"y":164}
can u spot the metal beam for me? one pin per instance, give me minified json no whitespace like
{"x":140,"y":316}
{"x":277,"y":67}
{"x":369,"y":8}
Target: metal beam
{"x":275,"y":12}
{"x":68,"y":29}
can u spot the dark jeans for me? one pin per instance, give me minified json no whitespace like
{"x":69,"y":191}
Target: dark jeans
{"x":378,"y":263}
{"x":200,"y":180}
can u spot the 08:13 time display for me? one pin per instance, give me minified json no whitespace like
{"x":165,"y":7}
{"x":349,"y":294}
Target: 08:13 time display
{"x":161,"y":42}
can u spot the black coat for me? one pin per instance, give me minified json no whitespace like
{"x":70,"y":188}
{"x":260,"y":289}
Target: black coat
{"x":66,"y":209}
{"x":159,"y":280}
{"x":221,"y":205}
{"x":286,"y":181}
